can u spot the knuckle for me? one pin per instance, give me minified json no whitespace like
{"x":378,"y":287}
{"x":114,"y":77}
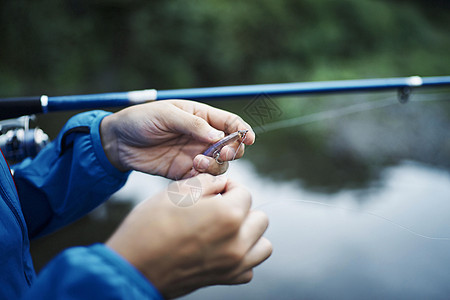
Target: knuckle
{"x":197,"y":122}
{"x":233,"y":218}
{"x":247,"y":277}
{"x":232,"y":122}
{"x":230,"y":219}
{"x":162,"y":106}
{"x":218,"y":211}
{"x":235,"y":255}
{"x":228,"y":214}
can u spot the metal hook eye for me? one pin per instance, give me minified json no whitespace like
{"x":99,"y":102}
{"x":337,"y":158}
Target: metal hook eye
{"x":216,"y":156}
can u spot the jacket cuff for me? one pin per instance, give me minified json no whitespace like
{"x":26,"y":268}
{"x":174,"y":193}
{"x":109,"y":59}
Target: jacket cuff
{"x":98,"y":147}
{"x":88,"y":123}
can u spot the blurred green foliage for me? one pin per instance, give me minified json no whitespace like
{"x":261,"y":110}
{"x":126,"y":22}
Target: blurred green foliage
{"x":77,"y":46}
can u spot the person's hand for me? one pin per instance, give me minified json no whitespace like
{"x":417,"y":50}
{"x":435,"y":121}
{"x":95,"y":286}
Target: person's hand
{"x":167,"y":138}
{"x":218,"y":240}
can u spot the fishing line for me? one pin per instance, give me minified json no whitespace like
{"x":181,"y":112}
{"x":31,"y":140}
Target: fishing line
{"x":358,"y":211}
{"x":340,"y":112}
{"x":240,"y":144}
{"x":324,"y":115}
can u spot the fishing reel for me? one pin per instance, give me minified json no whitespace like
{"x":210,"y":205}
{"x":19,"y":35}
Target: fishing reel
{"x":18,"y":141}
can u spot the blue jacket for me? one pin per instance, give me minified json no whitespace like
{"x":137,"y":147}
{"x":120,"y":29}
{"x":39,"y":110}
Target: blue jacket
{"x":67,"y":179}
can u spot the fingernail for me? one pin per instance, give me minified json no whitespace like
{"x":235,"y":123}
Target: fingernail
{"x":202,"y":164}
{"x":216,"y":135}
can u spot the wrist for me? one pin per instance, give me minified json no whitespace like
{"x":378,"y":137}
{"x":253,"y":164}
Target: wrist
{"x":110,"y":143}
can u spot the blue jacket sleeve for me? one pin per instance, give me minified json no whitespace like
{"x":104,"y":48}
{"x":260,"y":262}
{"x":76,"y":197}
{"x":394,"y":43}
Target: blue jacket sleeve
{"x":68,"y":178}
{"x":94,"y":272}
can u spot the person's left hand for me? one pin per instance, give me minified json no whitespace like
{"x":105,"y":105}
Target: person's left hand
{"x":167,"y":138}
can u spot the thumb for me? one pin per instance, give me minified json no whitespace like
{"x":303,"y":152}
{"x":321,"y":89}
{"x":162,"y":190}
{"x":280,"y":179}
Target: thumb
{"x":196,"y":127}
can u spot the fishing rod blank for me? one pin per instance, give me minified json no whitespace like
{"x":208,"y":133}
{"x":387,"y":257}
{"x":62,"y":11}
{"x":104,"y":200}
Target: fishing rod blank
{"x":14,"y":107}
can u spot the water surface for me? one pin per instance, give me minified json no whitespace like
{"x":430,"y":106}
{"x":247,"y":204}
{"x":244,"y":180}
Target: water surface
{"x":391,"y":240}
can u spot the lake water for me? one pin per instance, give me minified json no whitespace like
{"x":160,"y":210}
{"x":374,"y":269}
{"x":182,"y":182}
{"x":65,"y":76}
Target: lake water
{"x":391,"y":240}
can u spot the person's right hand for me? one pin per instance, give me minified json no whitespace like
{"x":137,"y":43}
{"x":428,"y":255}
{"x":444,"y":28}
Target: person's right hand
{"x":218,"y":240}
{"x":167,"y":138}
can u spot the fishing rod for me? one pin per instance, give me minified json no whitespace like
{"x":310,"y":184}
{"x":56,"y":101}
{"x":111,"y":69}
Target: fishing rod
{"x":18,"y":141}
{"x":14,"y":107}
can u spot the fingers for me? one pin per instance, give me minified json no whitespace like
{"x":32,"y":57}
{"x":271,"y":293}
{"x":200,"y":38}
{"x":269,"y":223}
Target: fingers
{"x":257,"y":255}
{"x":253,"y":228}
{"x":198,"y":128}
{"x":205,"y":164}
{"x":229,"y":123}
{"x":200,"y":121}
{"x":235,"y":234}
{"x":256,"y":247}
{"x":229,"y":152}
{"x":217,"y":118}
{"x":210,"y":185}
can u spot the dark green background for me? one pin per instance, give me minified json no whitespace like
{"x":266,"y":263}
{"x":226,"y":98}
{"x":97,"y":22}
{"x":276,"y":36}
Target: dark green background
{"x":78,"y":46}
{"x":60,"y":47}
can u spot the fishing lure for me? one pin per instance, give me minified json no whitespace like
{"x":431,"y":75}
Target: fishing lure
{"x":214,"y":150}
